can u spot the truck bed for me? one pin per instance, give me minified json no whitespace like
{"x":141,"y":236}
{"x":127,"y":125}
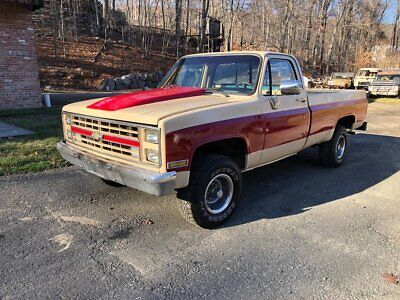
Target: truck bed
{"x":328,"y":106}
{"x":326,"y":96}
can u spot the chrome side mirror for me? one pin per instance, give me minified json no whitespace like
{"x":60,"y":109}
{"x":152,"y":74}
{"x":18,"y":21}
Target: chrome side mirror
{"x":291,"y":87}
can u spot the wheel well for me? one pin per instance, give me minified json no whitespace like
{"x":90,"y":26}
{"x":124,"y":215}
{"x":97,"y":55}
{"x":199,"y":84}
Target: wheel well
{"x":347,"y":122}
{"x":235,"y":148}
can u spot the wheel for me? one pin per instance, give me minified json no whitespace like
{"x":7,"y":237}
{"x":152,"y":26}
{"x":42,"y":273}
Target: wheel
{"x":213,"y":192}
{"x":333,"y":152}
{"x":111,"y":183}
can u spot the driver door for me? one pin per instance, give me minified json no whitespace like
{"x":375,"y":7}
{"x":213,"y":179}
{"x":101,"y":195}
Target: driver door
{"x":285,"y":111}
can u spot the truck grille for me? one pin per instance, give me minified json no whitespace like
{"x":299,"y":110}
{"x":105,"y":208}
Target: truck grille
{"x":114,"y":138}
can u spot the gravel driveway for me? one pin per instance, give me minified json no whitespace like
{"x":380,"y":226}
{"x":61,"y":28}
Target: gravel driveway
{"x":301,"y":231}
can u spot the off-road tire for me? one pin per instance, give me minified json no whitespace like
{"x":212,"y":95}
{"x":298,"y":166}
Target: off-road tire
{"x":328,"y":151}
{"x":112,"y":183}
{"x":192,"y":204}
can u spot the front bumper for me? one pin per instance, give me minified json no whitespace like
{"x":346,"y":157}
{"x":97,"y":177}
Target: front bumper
{"x":384,"y":93}
{"x":157,"y":184}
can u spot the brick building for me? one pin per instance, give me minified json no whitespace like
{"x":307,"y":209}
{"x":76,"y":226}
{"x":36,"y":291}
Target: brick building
{"x":19,"y":80}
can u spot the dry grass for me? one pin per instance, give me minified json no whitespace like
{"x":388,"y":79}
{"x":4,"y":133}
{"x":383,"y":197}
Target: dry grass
{"x":384,"y":100}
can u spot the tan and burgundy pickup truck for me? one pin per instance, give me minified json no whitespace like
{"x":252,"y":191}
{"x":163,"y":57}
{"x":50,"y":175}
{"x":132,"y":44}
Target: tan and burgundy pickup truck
{"x":213,"y":117}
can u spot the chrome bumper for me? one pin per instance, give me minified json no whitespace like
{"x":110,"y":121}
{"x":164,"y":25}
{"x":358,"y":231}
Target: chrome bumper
{"x":157,"y":184}
{"x":384,"y":93}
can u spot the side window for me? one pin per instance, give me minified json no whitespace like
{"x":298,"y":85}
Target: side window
{"x":281,"y":69}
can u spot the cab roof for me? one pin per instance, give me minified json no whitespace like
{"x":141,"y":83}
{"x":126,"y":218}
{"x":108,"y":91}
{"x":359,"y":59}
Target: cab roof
{"x":370,"y":69}
{"x":248,"y":52}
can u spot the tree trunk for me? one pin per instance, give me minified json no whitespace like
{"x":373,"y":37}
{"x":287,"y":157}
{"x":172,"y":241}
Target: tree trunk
{"x":395,"y":36}
{"x":178,"y":18}
{"x":187,"y":24}
{"x":307,"y":40}
{"x":203,"y":26}
{"x":106,"y":19}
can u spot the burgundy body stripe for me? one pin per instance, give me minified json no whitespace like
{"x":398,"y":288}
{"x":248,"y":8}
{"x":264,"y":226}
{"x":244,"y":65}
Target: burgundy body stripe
{"x":281,"y":127}
{"x":286,"y":126}
{"x":325,"y":116}
{"x":277,"y":128}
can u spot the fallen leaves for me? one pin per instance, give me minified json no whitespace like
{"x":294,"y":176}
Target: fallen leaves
{"x":391,"y":278}
{"x":63,"y":240}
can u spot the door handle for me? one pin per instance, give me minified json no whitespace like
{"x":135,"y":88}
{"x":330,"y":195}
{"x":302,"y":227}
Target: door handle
{"x":274,"y":101}
{"x":301,"y":100}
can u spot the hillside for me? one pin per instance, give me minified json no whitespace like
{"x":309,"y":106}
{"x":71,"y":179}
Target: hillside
{"x":83,"y":65}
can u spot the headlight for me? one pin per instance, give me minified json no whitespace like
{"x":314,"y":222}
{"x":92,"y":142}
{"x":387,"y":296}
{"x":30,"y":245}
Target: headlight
{"x":69,"y":134}
{"x":151,"y":136}
{"x":152,"y":156}
{"x":68,"y":119}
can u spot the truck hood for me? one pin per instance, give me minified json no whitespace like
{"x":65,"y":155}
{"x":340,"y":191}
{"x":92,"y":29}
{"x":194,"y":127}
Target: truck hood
{"x":150,"y":113}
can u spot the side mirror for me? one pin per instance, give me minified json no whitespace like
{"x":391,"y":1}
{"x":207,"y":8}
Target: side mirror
{"x":291,"y":87}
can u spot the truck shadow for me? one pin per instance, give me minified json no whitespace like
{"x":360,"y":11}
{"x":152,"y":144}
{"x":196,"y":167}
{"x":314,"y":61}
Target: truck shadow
{"x":299,"y":183}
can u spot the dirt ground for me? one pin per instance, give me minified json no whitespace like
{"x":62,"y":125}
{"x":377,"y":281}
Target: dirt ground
{"x":301,"y":232}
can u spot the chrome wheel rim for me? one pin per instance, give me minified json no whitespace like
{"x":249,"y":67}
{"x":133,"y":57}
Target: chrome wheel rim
{"x":218,"y":194}
{"x":340,"y":147}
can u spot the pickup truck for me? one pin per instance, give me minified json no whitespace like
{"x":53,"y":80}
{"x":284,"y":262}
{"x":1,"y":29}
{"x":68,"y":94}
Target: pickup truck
{"x":364,"y":78}
{"x":387,"y":83}
{"x":213,"y":117}
{"x":341,"y":81}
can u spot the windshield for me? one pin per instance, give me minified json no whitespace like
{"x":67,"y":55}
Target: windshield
{"x":364,"y":73}
{"x":230,"y":74}
{"x":388,"y":77}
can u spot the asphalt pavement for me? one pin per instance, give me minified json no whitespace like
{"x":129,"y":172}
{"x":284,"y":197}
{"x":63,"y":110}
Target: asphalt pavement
{"x":301,"y":231}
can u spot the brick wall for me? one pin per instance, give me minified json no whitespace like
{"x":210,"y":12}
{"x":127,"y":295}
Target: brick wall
{"x":19,"y":79}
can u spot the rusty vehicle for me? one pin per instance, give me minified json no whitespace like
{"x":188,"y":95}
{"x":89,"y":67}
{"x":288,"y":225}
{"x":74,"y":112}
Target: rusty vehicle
{"x":387,"y":83}
{"x":341,"y":81}
{"x":213,"y":117}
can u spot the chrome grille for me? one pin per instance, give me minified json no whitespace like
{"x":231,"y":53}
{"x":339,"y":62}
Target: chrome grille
{"x":105,"y":126}
{"x":111,"y":128}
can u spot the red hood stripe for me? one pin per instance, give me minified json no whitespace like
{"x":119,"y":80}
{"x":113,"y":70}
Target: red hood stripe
{"x":146,"y":97}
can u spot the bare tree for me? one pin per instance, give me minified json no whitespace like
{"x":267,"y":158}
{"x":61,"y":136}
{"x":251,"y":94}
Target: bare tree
{"x":178,"y":18}
{"x":396,"y":34}
{"x":205,"y":4}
